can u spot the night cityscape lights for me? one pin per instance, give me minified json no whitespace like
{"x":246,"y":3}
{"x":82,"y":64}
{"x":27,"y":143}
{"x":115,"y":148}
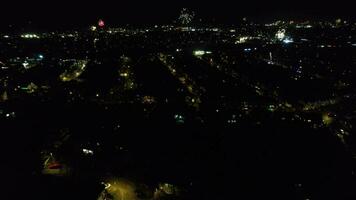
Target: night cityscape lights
{"x":190,"y":109}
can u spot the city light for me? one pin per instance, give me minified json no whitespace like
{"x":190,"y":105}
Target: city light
{"x":30,"y":36}
{"x":88,"y":151}
{"x":247,"y":50}
{"x":93,"y":28}
{"x":242,"y":40}
{"x":25,"y":65}
{"x":40,"y":57}
{"x":201,"y":52}
{"x":287,"y":40}
{"x":280,"y":35}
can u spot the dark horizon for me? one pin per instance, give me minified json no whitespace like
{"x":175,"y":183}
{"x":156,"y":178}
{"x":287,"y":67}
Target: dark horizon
{"x":63,"y":15}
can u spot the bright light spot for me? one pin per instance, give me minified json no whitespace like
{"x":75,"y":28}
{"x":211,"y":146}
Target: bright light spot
{"x":327,"y":120}
{"x":93,"y":28}
{"x":107,"y":186}
{"x":281,"y":34}
{"x":30,"y":36}
{"x":242,"y":39}
{"x":288,"y":40}
{"x":179,"y":118}
{"x":124,"y":74}
{"x":247,"y":50}
{"x":88,"y":152}
{"x":199,"y":53}
{"x":25,"y":64}
{"x":6,"y":36}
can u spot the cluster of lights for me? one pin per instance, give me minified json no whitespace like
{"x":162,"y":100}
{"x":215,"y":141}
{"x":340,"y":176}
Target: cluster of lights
{"x":304,"y":26}
{"x":281,"y":34}
{"x":242,"y":40}
{"x":26,"y":65}
{"x":201,"y":52}
{"x":9,"y":115}
{"x":179,"y":119}
{"x":88,"y":152}
{"x":30,"y":36}
{"x":248,"y":49}
{"x":124,"y":74}
{"x":287,"y":40}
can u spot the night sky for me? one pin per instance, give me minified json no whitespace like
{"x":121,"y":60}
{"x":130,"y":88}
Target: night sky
{"x":74,"y":13}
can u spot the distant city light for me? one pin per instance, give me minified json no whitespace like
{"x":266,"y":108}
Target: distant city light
{"x":280,"y":35}
{"x":25,"y":65}
{"x":327,"y":119}
{"x":179,"y":119}
{"x":93,"y":28}
{"x":287,"y":40}
{"x":201,"y":52}
{"x":242,"y":40}
{"x":247,"y":50}
{"x":124,"y":74}
{"x":88,"y":151}
{"x":30,"y":36}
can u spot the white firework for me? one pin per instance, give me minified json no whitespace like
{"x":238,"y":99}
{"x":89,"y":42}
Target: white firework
{"x":186,"y":16}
